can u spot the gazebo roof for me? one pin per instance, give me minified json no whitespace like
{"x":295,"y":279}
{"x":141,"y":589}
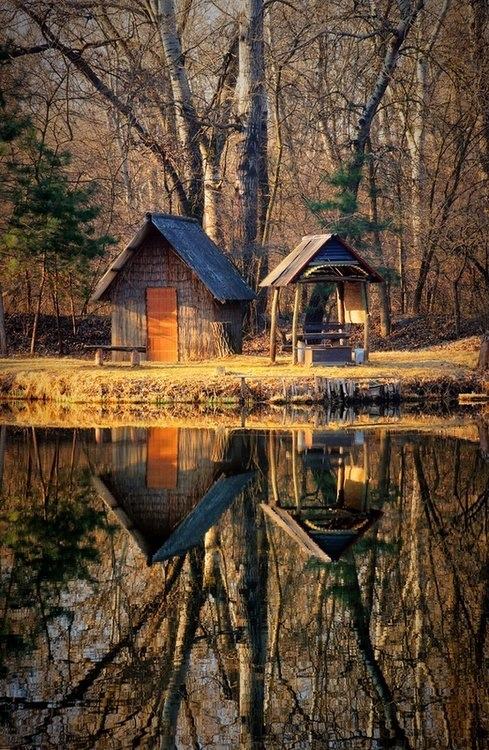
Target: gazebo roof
{"x":321,"y":257}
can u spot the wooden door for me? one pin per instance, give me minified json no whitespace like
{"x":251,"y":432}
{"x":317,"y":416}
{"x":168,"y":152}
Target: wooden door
{"x":161,"y":313}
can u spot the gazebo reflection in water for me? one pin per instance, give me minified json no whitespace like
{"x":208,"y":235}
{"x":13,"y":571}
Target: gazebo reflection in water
{"x":329,"y":507}
{"x":167,"y":486}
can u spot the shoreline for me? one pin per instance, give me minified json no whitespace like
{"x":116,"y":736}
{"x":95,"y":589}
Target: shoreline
{"x":438,"y":374}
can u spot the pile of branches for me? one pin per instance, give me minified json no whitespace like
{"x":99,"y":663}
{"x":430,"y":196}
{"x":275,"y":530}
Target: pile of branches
{"x":91,"y":329}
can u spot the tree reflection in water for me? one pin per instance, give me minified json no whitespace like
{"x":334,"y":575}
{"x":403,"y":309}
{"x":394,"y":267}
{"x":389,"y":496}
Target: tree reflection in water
{"x":333,"y":591}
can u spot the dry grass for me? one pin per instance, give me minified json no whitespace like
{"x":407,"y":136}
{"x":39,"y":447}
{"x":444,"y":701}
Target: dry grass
{"x":72,"y":380}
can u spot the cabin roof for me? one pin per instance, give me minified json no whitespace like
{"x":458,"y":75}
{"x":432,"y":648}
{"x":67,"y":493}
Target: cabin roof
{"x":321,"y":257}
{"x":194,"y":248}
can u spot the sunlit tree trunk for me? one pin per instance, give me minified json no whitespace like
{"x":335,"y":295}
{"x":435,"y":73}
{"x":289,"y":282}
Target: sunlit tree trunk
{"x":213,"y":197}
{"x":186,"y":116}
{"x":38,"y":308}
{"x":416,"y":138}
{"x":252,"y":113}
{"x":382,"y":289}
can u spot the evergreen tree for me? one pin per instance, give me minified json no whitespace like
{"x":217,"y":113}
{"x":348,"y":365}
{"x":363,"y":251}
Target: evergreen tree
{"x":340,"y":214}
{"x":50,"y":222}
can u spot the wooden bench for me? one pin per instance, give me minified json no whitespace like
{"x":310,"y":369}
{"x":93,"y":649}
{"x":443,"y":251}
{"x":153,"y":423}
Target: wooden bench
{"x":317,"y":333}
{"x":101,"y":348}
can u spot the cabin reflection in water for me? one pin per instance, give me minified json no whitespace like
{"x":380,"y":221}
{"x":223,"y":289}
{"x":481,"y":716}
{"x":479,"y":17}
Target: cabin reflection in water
{"x":329,"y":509}
{"x":168,"y":486}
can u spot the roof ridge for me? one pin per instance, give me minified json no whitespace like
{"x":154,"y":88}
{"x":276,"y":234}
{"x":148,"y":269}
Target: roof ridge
{"x":326,"y":234}
{"x":173,"y":217}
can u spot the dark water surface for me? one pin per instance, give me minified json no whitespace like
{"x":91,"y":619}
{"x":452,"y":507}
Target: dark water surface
{"x":234,"y":588}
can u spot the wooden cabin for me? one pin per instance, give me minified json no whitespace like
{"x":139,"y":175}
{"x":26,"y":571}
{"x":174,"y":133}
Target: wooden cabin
{"x":174,"y":294}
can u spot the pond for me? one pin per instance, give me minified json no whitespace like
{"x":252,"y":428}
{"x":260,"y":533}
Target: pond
{"x":222,"y":587}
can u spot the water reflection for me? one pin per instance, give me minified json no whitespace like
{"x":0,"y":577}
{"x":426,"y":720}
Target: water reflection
{"x":312,"y":588}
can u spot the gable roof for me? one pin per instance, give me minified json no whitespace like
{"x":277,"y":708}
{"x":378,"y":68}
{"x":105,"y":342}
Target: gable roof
{"x":194,"y":248}
{"x":320,"y":255}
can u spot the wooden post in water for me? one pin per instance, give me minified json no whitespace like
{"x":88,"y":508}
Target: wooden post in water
{"x":273,"y":325}
{"x":366,"y":325}
{"x":295,"y":321}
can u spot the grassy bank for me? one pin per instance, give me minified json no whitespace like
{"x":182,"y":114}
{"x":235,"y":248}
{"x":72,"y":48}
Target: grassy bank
{"x":447,"y":368}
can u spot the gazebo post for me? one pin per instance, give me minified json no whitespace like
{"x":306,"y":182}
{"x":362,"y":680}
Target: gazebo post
{"x":366,"y":325}
{"x":340,"y":296}
{"x":295,"y":320}
{"x":273,"y":324}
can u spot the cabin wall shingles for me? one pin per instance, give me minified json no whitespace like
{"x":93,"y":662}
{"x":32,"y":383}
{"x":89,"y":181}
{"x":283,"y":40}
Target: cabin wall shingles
{"x":157,"y":265}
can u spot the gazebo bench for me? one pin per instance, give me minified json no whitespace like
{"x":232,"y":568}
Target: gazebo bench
{"x":316,"y":333}
{"x":325,"y":343}
{"x":324,"y":333}
{"x":101,"y":348}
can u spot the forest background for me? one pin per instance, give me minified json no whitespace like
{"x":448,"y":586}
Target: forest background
{"x":264,"y":119}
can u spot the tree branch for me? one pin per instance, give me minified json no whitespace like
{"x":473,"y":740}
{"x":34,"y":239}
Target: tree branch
{"x":101,"y":87}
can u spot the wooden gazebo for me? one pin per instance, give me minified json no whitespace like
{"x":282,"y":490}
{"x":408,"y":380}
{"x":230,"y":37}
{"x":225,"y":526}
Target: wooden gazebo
{"x":324,"y":258}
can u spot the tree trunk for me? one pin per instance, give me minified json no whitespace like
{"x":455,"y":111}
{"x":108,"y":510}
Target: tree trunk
{"x":384,"y":301}
{"x":456,"y":306}
{"x":384,"y":77}
{"x":213,"y":199}
{"x":72,"y":306}
{"x":250,"y":149}
{"x":186,"y":116}
{"x":55,"y":293}
{"x":483,"y":363}
{"x":38,"y":309}
{"x":417,"y":143}
{"x":480,"y":46}
{"x":273,"y":324}
{"x":3,"y":333}
{"x":416,"y":139}
{"x":385,"y":310}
